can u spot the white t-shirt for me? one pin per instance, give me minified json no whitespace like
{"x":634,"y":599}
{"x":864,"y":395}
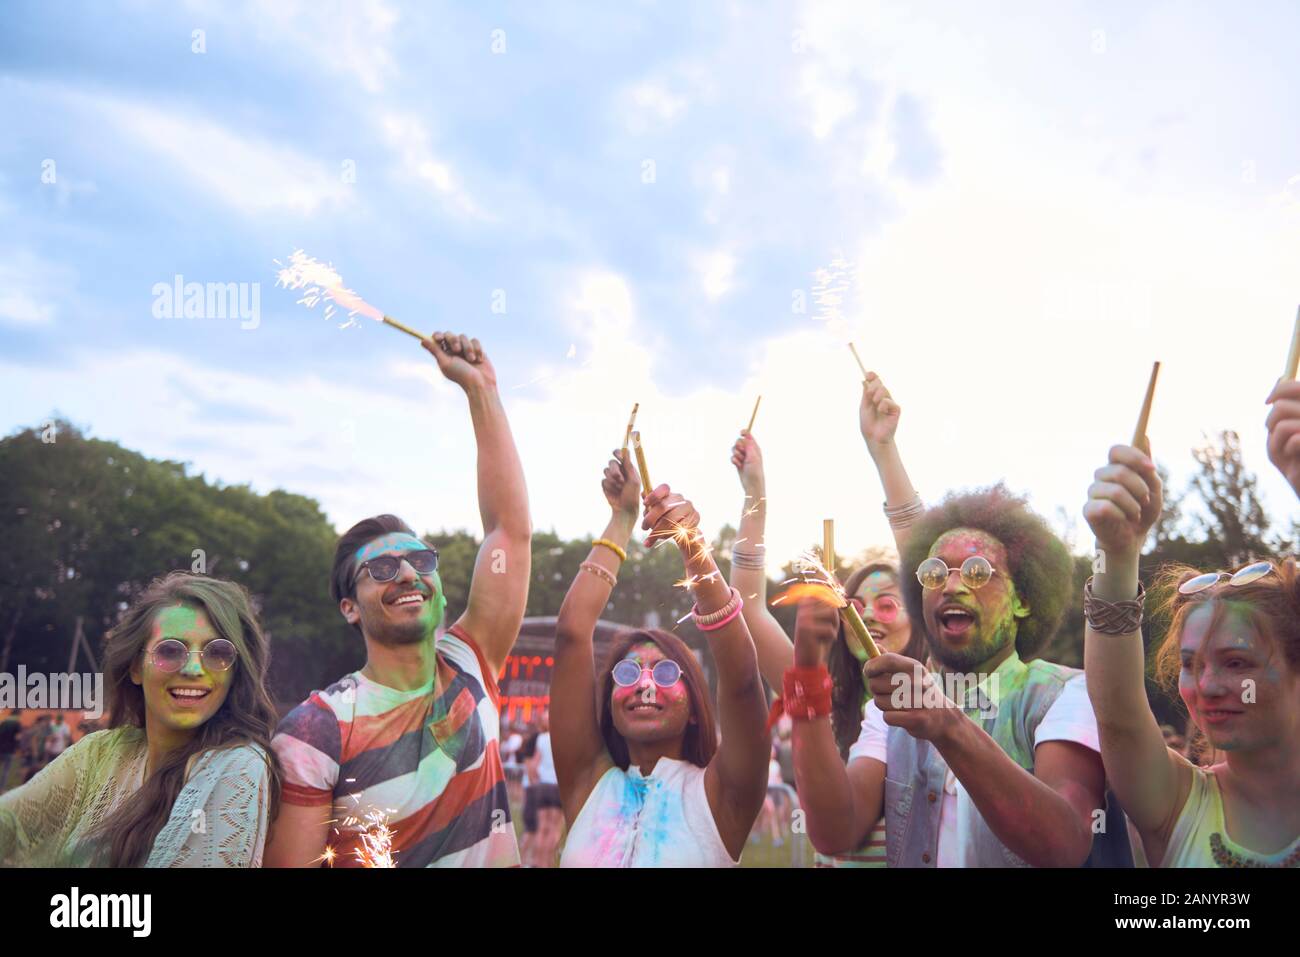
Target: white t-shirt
{"x":546,"y":766}
{"x":1070,"y":718}
{"x":510,"y":748}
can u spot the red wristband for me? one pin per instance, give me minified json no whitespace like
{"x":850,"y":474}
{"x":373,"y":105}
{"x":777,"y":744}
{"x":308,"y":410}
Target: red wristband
{"x":806,"y":695}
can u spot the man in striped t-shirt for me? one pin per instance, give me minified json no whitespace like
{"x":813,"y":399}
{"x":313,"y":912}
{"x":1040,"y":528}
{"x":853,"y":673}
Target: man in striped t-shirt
{"x":400,"y":762}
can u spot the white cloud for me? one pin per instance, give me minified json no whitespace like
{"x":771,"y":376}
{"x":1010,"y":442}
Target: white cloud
{"x":20,"y":308}
{"x":716,"y":270}
{"x":247,"y":173}
{"x":410,"y":140}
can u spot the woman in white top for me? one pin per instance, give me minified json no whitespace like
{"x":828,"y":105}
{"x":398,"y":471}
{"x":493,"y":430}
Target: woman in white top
{"x":644,"y":779}
{"x":1234,"y":646}
{"x":185,"y":776}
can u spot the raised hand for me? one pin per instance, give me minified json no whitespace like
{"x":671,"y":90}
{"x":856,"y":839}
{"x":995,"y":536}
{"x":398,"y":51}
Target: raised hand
{"x":816,"y":624}
{"x":1124,"y":501}
{"x":668,"y":515}
{"x":878,"y":413}
{"x":747,"y":457}
{"x":622,"y":485}
{"x":1284,"y":430}
{"x":461,"y":360}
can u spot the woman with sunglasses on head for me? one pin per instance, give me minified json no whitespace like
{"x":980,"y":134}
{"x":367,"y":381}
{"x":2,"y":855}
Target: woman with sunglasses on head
{"x":1233,"y":650}
{"x":184,"y":776}
{"x":644,"y":777}
{"x":873,"y":588}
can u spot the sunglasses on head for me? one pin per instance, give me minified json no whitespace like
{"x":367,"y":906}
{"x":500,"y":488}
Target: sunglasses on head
{"x":1251,"y":573}
{"x":665,"y":673}
{"x":976,"y":572}
{"x":172,"y":655}
{"x":385,"y":567}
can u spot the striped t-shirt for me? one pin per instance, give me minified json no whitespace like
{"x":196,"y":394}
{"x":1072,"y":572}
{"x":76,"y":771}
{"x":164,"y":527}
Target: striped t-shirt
{"x":428,"y":769}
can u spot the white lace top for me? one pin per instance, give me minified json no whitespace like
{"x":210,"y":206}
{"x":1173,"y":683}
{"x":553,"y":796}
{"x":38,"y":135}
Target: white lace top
{"x":219,"y":818}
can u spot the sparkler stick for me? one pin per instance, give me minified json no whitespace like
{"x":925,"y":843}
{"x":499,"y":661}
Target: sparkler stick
{"x":750,"y":428}
{"x":859,"y":358}
{"x":389,"y":320}
{"x":319,"y":281}
{"x":1140,"y":434}
{"x":640,"y":462}
{"x":849,"y":613}
{"x":1293,"y":357}
{"x":828,"y":545}
{"x":631,"y":424}
{"x":824,"y":586}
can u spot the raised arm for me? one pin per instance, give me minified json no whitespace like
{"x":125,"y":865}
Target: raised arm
{"x":1151,"y":781}
{"x":842,"y":804}
{"x":1284,"y":430}
{"x":576,"y":743}
{"x":499,"y":590}
{"x":748,"y":571}
{"x":736,"y":778}
{"x":878,"y":416}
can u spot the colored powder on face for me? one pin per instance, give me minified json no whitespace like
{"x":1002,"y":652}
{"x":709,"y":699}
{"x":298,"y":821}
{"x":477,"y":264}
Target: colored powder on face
{"x":396,"y":542}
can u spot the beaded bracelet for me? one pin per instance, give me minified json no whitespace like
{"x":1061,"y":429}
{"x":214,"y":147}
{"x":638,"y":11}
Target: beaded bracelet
{"x":602,"y":573}
{"x":612,"y":546}
{"x":1113,"y":618}
{"x":716,"y":619}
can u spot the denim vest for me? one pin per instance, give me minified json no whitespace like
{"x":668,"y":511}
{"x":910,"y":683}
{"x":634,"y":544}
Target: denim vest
{"x":915,"y":771}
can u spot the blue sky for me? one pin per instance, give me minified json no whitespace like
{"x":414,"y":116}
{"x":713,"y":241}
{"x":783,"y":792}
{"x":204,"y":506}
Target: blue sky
{"x":1035,"y":203}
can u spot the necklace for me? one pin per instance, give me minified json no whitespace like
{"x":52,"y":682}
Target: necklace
{"x":1226,"y":857}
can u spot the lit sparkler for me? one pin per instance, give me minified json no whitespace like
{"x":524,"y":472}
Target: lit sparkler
{"x":812,"y":580}
{"x":321,"y":283}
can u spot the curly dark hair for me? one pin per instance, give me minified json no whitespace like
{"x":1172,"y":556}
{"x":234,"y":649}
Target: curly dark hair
{"x":1041,"y":568}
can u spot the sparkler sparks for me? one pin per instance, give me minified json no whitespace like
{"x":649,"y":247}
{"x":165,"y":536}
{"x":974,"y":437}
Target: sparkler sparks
{"x":321,"y":283}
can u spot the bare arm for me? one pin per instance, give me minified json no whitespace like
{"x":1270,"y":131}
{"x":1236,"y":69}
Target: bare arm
{"x":1151,"y":781}
{"x":579,"y":750}
{"x":499,"y":589}
{"x":298,"y":836}
{"x":878,"y":416}
{"x":842,"y":804}
{"x":775,"y":650}
{"x":736,"y":779}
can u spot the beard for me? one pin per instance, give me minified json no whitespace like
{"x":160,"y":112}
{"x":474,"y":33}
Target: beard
{"x":393,"y":634}
{"x":975,"y":652}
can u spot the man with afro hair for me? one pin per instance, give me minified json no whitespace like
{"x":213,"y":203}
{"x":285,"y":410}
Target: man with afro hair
{"x":988,"y":756}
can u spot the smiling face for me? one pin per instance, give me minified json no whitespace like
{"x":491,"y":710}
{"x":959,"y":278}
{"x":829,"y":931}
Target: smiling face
{"x":403,"y":611}
{"x":177,"y":703}
{"x":970,"y":630}
{"x":1236,"y":686}
{"x":646,"y":713}
{"x":890,"y":635}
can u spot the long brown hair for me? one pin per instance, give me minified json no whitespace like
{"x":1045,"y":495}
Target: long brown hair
{"x":848,"y":691}
{"x":700,"y":740}
{"x":246,"y":716}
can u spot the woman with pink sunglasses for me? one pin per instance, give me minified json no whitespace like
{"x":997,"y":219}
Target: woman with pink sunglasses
{"x":873,"y":588}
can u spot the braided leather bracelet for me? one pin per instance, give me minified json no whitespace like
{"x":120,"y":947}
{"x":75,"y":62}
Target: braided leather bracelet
{"x":1113,"y":618}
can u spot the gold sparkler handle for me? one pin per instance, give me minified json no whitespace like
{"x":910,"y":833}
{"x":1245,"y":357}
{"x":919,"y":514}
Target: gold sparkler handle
{"x":851,"y":618}
{"x":389,"y":320}
{"x":640,"y":462}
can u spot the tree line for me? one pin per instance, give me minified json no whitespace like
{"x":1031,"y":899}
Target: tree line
{"x":88,"y":524}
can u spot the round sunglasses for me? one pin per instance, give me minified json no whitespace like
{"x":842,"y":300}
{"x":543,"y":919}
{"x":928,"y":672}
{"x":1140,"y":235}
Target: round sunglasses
{"x":1251,"y":573}
{"x":385,"y":567}
{"x":172,"y":655}
{"x":884,"y":609}
{"x":665,"y":673}
{"x":976,"y":572}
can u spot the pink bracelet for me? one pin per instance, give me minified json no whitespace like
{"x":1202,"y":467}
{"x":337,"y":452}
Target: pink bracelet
{"x":706,"y":622}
